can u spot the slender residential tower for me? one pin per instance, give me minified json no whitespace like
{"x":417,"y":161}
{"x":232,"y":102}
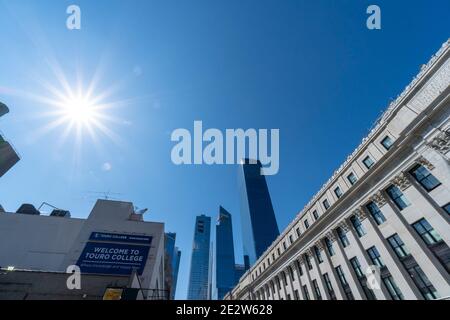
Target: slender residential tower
{"x":199,"y":274}
{"x":259,"y":225}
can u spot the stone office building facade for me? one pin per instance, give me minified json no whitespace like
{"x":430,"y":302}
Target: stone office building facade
{"x":387,"y":208}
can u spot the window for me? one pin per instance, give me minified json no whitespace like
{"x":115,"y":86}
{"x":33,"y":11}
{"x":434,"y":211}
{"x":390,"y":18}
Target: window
{"x":296,"y":295}
{"x":329,"y":286}
{"x":290,"y":239}
{"x":357,"y":267}
{"x":278,"y":251}
{"x":283,"y":276}
{"x":317,"y":290}
{"x":298,"y":231}
{"x":394,"y":291}
{"x":397,"y":196}
{"x":308,"y":261}
{"x":416,"y":273}
{"x":447,"y":208}
{"x":434,"y":242}
{"x":398,"y":246}
{"x":318,"y":255}
{"x":387,"y":142}
{"x":362,"y":278}
{"x":343,"y":237}
{"x":306,"y":222}
{"x":426,"y":232}
{"x":375,"y":213}
{"x":326,"y":204}
{"x":284,"y":245}
{"x":299,"y":267}
{"x":291,"y":273}
{"x":341,"y":276}
{"x":423,"y":283}
{"x":344,"y":283}
{"x":425,"y":178}
{"x":200,"y":227}
{"x":368,"y":162}
{"x":352,"y":178}
{"x":315,"y":214}
{"x":329,"y":246}
{"x":305,"y":292}
{"x":338,"y":192}
{"x":356,"y":222}
{"x":375,"y":257}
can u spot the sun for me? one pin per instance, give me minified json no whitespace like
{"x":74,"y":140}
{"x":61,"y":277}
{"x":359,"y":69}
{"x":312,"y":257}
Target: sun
{"x":79,"y":110}
{"x":80,"y":113}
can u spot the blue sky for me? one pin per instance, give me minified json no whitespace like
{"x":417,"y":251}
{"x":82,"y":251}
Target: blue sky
{"x":310,"y":68}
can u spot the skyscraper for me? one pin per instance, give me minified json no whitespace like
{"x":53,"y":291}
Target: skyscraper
{"x":173,"y":255}
{"x":177,"y":268}
{"x":259,"y":225}
{"x":225,"y":277}
{"x":239,"y":270}
{"x":199,"y":274}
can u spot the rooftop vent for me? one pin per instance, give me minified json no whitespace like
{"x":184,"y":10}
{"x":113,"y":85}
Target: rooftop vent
{"x":60,"y":213}
{"x":27,"y":208}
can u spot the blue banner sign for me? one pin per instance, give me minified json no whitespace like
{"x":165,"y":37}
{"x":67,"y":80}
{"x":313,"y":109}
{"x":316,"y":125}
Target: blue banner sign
{"x":112,"y":253}
{"x":125,"y":238}
{"x":113,"y":258}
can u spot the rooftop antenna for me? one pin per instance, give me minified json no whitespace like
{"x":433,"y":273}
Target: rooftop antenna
{"x":140,"y":211}
{"x":106,"y":195}
{"x":48,"y":205}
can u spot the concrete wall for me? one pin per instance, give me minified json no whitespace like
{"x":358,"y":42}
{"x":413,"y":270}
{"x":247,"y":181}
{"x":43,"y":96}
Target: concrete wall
{"x":25,"y":285}
{"x":53,"y":243}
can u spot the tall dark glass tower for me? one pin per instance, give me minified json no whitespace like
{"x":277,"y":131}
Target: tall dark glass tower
{"x":259,"y":225}
{"x":199,"y":274}
{"x":225,"y":277}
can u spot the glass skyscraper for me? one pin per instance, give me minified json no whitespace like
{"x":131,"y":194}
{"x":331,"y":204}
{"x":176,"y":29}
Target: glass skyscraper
{"x":177,"y":268}
{"x":173,"y":255}
{"x":259,"y":225}
{"x":199,"y":273}
{"x":225,"y":277}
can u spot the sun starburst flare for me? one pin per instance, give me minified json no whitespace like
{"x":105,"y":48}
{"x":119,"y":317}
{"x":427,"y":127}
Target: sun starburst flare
{"x":78,"y":111}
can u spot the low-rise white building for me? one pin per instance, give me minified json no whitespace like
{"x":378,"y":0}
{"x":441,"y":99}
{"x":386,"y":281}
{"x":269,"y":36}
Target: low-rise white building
{"x":385,"y":210}
{"x":113,"y":242}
